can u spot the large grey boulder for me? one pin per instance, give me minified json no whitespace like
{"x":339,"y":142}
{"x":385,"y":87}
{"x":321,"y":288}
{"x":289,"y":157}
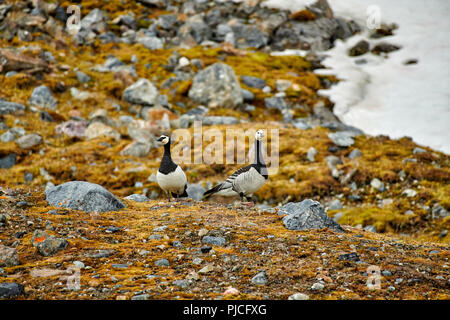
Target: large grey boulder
{"x":141,"y":92}
{"x":308,"y":214}
{"x":82,"y":195}
{"x":216,"y":86}
{"x":11,"y":289}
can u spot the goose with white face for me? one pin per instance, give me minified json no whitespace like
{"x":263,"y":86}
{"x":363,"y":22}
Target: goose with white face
{"x":259,"y":135}
{"x":163,"y":139}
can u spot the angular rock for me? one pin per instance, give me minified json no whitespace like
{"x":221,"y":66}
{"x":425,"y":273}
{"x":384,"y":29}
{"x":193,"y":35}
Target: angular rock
{"x":162,"y":263}
{"x":8,"y":257}
{"x":377,"y":184}
{"x":142,"y":92}
{"x":253,"y":82}
{"x":51,"y":245}
{"x":137,"y":149}
{"x":216,"y":86}
{"x":97,"y":129}
{"x":438,"y":211}
{"x":216,"y":241}
{"x":260,"y":278}
{"x":82,"y":77}
{"x":195,"y":191}
{"x":343,"y":138}
{"x":355,"y":154}
{"x":7,"y":107}
{"x":137,"y":197}
{"x":359,"y":49}
{"x":42,"y":97}
{"x":72,"y":128}
{"x":384,"y":47}
{"x":29,"y":141}
{"x":82,"y":195}
{"x":10,"y":290}
{"x":312,"y":152}
{"x":308,"y":214}
{"x":275,"y":103}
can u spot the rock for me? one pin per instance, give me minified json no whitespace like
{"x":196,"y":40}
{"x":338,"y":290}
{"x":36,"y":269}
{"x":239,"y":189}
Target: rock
{"x":181,"y":283}
{"x":82,"y":77}
{"x":349,"y":257}
{"x":150,"y":42}
{"x":335,"y":205}
{"x":216,"y":86}
{"x":418,"y":150}
{"x":283,"y":85}
{"x":436,"y":212}
{"x":42,"y":97}
{"x":10,"y":107}
{"x":317,"y":286}
{"x":218,"y":120}
{"x":72,"y":128}
{"x":81,"y":95}
{"x":298,"y":296}
{"x":142,"y":92}
{"x":141,"y":297}
{"x":370,"y":228}
{"x":260,"y":278}
{"x":275,"y":103}
{"x":246,"y":36}
{"x":247,"y":95}
{"x":195,"y":28}
{"x":51,"y":245}
{"x":384,"y":47}
{"x":7,"y":136}
{"x":216,"y":241}
{"x":343,"y":138}
{"x":8,"y":257}
{"x":206,"y":269}
{"x":195,"y":191}
{"x":332,"y":162}
{"x":137,"y":149}
{"x":162,"y":263}
{"x":409,"y":193}
{"x":29,"y":141}
{"x":377,"y":184}
{"x":98,"y":129}
{"x":45,"y":116}
{"x":137,"y":197}
{"x":308,"y":214}
{"x":10,"y":290}
{"x":82,"y":195}
{"x":355,"y":154}
{"x":386,"y":273}
{"x":79,"y":264}
{"x":312,"y":152}
{"x":359,"y":49}
{"x":253,"y":82}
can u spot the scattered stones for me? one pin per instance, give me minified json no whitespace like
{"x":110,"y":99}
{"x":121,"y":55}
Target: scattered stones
{"x":308,"y":214}
{"x":183,"y":284}
{"x":8,"y":257}
{"x":206,"y":269}
{"x":260,"y":278}
{"x":356,"y":153}
{"x":218,"y":120}
{"x":72,"y":128}
{"x":216,"y":86}
{"x":98,"y":129}
{"x":82,"y":195}
{"x":343,"y":138}
{"x":142,"y":92}
{"x":377,"y":184}
{"x":42,"y":97}
{"x":29,"y":141}
{"x":275,"y":103}
{"x":216,"y":241}
{"x":436,"y":212}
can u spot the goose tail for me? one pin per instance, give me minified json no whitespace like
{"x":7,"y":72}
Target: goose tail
{"x":211,"y":191}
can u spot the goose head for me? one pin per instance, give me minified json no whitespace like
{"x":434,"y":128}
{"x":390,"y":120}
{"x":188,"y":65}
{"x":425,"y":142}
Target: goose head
{"x":163,"y":139}
{"x":259,"y":135}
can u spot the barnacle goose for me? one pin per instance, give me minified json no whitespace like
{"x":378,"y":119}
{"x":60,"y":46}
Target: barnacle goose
{"x":247,"y":180}
{"x":170,"y":176}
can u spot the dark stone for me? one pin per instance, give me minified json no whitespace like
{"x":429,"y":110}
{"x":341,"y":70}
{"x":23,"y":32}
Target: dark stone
{"x":359,"y":49}
{"x":253,"y":82}
{"x":52,"y":245}
{"x":205,"y":249}
{"x":275,"y":103}
{"x":349,"y":257}
{"x":8,"y":161}
{"x":10,"y":289}
{"x":384,"y":47}
{"x":217,"y":241}
{"x":45,"y":116}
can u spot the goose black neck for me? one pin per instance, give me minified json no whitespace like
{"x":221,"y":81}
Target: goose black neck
{"x":258,"y":156}
{"x":167,"y":150}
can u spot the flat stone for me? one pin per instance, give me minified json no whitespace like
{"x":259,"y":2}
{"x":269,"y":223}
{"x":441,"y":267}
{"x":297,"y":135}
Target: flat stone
{"x":8,"y":257}
{"x":141,"y":92}
{"x":10,"y":290}
{"x":216,"y":241}
{"x":260,"y":278}
{"x":29,"y":141}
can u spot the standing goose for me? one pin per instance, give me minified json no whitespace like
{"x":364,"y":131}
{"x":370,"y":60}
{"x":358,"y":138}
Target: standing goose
{"x":247,"y":180}
{"x":170,"y":176}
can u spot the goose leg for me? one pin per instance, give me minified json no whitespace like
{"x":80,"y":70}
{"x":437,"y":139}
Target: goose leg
{"x":168,"y":196}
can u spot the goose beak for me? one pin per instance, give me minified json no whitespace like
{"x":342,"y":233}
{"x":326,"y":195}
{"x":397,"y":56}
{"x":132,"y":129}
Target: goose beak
{"x":160,"y":139}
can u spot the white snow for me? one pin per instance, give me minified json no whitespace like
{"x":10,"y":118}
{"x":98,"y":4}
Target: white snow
{"x":384,"y":96}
